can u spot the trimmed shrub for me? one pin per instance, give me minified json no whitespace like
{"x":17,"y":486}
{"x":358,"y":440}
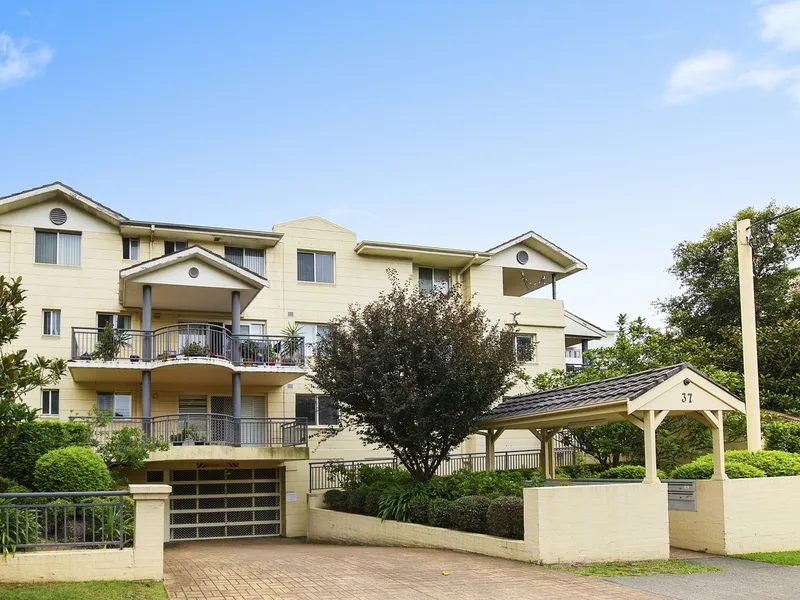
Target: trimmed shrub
{"x":372,"y":503}
{"x":24,"y":443}
{"x":72,"y":469}
{"x":490,"y":484}
{"x":354,"y":501}
{"x":506,"y":517}
{"x":418,"y":509}
{"x":469,"y":513}
{"x":5,"y":484}
{"x":580,"y":471}
{"x":335,"y":499}
{"x":704,"y":469}
{"x":773,"y":462}
{"x":628,"y":472}
{"x":782,"y":435}
{"x":440,"y":513}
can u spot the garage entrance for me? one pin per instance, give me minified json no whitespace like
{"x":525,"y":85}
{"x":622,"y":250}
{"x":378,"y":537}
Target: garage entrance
{"x":222,"y":503}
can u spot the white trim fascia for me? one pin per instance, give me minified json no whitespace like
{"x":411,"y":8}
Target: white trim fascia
{"x":114,"y":216}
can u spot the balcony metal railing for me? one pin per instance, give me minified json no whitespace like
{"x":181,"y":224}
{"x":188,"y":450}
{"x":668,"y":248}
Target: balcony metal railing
{"x":187,"y":340}
{"x":209,"y":429}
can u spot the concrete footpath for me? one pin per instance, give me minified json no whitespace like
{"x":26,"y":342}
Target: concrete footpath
{"x":741,"y":580}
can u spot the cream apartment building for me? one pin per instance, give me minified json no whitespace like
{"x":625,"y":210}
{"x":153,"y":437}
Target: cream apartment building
{"x":201,"y":336}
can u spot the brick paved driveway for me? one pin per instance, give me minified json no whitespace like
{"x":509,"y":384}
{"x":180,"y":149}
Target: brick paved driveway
{"x":280,"y":568}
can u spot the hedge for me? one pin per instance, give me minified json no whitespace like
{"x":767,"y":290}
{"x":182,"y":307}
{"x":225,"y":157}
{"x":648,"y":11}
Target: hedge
{"x":418,"y":509}
{"x":72,"y":469}
{"x":372,"y":503}
{"x":628,"y":472}
{"x":335,"y":499}
{"x":782,"y":435}
{"x":765,"y":463}
{"x":704,"y":470}
{"x":506,"y":517}
{"x":440,"y":513}
{"x":469,"y":513}
{"x":21,"y":445}
{"x":355,"y":501}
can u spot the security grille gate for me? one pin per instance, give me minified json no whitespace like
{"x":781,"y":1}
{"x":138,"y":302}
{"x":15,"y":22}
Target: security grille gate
{"x":224,"y":503}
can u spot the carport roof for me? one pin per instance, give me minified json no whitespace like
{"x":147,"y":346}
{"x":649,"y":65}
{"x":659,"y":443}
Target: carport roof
{"x":625,"y":387}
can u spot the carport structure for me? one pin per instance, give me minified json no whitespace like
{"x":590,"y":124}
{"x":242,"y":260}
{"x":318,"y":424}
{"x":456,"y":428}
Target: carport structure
{"x":644,"y":399}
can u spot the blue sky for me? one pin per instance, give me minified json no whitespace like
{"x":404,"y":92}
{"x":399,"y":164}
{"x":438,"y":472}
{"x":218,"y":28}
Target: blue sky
{"x":614,"y":129}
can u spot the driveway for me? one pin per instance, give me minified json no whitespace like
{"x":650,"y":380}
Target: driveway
{"x":281,"y":568}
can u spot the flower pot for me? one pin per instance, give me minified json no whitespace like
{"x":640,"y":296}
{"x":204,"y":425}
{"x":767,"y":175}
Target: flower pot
{"x":134,"y":358}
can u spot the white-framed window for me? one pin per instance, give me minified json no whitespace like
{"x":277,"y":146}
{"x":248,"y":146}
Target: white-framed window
{"x":116,"y":321}
{"x":315,"y":266}
{"x":525,"y":347}
{"x":58,"y":248}
{"x":50,"y":403}
{"x":317,"y":409}
{"x":251,"y":259}
{"x":312,"y":332}
{"x":172,"y":246}
{"x":251,"y":329}
{"x":130,"y":248}
{"x":119,"y":403}
{"x":431,"y":279}
{"x":51,"y":322}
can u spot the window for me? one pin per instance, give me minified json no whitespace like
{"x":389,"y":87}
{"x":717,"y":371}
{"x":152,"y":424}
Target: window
{"x":51,"y":322}
{"x":171,"y":246}
{"x":315,"y":266}
{"x":50,"y":402}
{"x":317,"y":409}
{"x":119,"y":404}
{"x":116,"y":321}
{"x":58,"y":248}
{"x":525,"y":348}
{"x":312,"y":332}
{"x":251,"y":329}
{"x":434,"y":279}
{"x":130,"y":248}
{"x":251,"y":259}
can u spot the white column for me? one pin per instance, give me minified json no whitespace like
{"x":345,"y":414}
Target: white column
{"x":490,"y":450}
{"x":148,"y":538}
{"x":718,"y":441}
{"x":749,"y":346}
{"x":650,"y":464}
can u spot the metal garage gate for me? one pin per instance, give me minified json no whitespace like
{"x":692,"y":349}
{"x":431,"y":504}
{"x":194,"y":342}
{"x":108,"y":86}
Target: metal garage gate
{"x":224,"y":503}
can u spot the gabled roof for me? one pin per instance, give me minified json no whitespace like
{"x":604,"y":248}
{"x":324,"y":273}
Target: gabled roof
{"x":330,"y":224}
{"x":604,"y":391}
{"x":203,"y":254}
{"x":599,"y":331}
{"x":50,"y":190}
{"x":543,"y":246}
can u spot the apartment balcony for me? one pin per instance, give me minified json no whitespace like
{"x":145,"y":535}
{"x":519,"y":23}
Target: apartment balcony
{"x":210,"y":436}
{"x":203,"y":353}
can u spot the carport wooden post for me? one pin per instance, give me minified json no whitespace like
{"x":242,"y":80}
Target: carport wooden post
{"x":714,"y":419}
{"x":650,"y":464}
{"x":547,"y":453}
{"x":490,"y":450}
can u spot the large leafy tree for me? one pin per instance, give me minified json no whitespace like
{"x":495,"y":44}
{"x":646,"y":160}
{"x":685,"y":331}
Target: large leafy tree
{"x":639,"y":347}
{"x":413,"y":371}
{"x":18,"y":375}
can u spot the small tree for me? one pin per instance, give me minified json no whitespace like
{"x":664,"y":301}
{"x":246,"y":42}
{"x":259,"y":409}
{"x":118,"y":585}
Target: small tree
{"x":18,"y":376}
{"x":414,"y":371}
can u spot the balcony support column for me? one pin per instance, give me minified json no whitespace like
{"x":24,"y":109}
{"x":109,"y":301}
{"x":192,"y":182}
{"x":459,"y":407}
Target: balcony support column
{"x":584,"y":348}
{"x":236,"y":389}
{"x":236,"y":314}
{"x":553,"y":281}
{"x":147,"y":322}
{"x":146,"y":393}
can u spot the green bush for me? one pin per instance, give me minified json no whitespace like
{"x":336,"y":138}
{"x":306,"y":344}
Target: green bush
{"x":580,"y":471}
{"x":5,"y":484}
{"x":354,"y":501}
{"x":506,"y":517}
{"x":490,"y":484}
{"x":702,"y":468}
{"x":396,"y":501}
{"x":418,"y":509}
{"x":774,"y":463}
{"x":335,"y":499}
{"x":72,"y":469}
{"x":372,"y":503}
{"x":440,"y":513}
{"x":24,"y":443}
{"x":469,"y":513}
{"x":782,"y":435}
{"x":628,"y":472}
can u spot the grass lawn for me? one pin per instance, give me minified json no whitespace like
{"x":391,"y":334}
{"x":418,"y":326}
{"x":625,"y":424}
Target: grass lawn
{"x":95,"y":590}
{"x":630,"y":569}
{"x":791,"y":557}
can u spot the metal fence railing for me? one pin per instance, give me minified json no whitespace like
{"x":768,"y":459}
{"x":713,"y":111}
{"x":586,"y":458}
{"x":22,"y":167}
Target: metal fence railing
{"x":73,"y":519}
{"x":187,"y":340}
{"x":209,"y":429}
{"x":332,"y":474}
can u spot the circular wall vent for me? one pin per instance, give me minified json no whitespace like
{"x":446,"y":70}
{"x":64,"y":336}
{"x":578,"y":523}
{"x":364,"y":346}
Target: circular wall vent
{"x":58,"y":216}
{"x":194,"y":272}
{"x":522,"y":257}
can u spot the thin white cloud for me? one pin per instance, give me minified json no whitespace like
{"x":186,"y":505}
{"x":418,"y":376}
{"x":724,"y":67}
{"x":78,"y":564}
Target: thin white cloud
{"x":717,"y":71}
{"x":21,"y":61}
{"x":780,"y":24}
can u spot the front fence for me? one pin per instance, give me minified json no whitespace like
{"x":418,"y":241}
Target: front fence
{"x":66,"y":519}
{"x":333,"y":474}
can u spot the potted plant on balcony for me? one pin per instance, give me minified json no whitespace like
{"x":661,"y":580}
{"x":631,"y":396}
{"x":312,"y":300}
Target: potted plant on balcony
{"x":290,"y":352}
{"x":189,"y":436}
{"x":195,"y":349}
{"x":273,"y":358}
{"x":110,"y":343}
{"x":249,"y":350}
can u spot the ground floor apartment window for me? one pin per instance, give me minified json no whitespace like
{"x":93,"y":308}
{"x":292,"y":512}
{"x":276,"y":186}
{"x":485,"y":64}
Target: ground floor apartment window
{"x":525,"y":348}
{"x":317,"y":409}
{"x":119,"y":404}
{"x":50,"y":403}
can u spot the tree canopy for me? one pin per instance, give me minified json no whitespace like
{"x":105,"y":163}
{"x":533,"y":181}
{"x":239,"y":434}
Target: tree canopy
{"x":18,"y":375}
{"x":413,"y":371}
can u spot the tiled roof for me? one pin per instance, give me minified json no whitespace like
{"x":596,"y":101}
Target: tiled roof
{"x":585,"y":394}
